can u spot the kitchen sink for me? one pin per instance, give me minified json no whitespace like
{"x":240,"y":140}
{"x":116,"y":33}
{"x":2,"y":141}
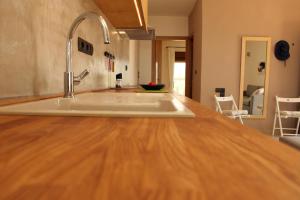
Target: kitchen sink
{"x":104,"y":104}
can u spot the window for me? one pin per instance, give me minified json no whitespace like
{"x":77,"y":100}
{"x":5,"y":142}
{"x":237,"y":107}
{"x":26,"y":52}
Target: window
{"x":179,"y":78}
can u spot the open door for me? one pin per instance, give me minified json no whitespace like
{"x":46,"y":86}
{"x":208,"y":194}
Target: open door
{"x":189,"y":67}
{"x":177,"y":76}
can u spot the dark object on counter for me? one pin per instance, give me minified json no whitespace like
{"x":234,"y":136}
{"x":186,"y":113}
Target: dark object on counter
{"x":282,"y":50}
{"x":221,"y":91}
{"x":119,"y":76}
{"x":153,"y":87}
{"x":119,"y":80}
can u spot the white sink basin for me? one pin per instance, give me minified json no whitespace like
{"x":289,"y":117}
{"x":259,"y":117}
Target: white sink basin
{"x":105,"y":104}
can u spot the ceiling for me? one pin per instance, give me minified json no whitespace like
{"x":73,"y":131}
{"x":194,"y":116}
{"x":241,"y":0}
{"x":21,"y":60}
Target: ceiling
{"x":171,"y":7}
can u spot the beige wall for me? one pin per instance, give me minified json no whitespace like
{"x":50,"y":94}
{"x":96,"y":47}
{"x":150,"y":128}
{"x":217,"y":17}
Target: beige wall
{"x":32,"y":47}
{"x":164,"y":26}
{"x":132,"y":73}
{"x":223,"y":24}
{"x":195,"y":29}
{"x":145,"y":61}
{"x":169,"y":25}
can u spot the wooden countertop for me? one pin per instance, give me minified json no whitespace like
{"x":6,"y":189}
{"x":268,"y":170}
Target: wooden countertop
{"x":208,"y":157}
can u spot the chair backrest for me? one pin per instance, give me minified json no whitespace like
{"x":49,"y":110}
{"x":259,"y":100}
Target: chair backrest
{"x":224,"y":99}
{"x":285,"y":100}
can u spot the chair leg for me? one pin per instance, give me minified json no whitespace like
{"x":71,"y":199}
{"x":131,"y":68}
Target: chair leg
{"x":241,"y":120}
{"x":274,"y":125}
{"x":280,"y":125}
{"x":298,"y":125}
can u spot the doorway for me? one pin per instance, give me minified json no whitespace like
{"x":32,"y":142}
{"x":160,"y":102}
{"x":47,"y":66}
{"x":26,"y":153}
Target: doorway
{"x":179,"y":73}
{"x":172,"y":64}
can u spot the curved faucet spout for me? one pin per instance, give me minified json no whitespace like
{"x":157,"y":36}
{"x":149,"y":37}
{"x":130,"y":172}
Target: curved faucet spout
{"x":91,"y":15}
{"x":69,"y":76}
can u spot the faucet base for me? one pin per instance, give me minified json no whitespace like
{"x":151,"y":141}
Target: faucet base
{"x":68,"y":85}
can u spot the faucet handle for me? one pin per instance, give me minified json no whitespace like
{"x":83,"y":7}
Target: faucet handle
{"x":81,"y":76}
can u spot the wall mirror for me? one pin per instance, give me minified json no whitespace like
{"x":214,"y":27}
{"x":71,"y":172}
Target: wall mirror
{"x":254,"y":82}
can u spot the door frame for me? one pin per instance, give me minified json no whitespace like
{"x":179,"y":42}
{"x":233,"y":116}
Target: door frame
{"x":156,"y":58}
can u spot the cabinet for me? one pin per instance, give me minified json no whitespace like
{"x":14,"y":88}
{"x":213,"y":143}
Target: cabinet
{"x":125,"y":14}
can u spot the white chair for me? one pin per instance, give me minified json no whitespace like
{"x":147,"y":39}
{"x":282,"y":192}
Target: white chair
{"x":279,"y":114}
{"x":234,"y":113}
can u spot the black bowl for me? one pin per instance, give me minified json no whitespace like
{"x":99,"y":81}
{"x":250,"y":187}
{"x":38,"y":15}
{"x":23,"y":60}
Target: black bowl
{"x":153,"y":87}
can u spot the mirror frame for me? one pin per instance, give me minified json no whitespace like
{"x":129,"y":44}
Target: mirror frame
{"x":242,"y":77}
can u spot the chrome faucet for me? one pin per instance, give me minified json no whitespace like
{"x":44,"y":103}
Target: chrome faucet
{"x":69,"y":78}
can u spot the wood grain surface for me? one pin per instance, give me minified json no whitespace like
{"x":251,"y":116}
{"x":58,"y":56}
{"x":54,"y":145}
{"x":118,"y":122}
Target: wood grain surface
{"x":82,"y":158}
{"x":123,"y":13}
